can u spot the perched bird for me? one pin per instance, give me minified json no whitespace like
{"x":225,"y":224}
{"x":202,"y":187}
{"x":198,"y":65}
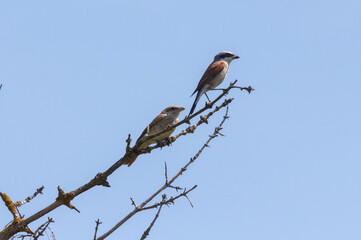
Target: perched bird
{"x":169,"y":116}
{"x":213,"y":76}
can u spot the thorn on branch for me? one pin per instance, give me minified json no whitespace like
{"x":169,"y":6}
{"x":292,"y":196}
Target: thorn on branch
{"x":134,"y":204}
{"x":65,"y":198}
{"x":175,"y":187}
{"x":164,"y":197}
{"x":101,"y":180}
{"x":217,"y":129}
{"x":204,"y":119}
{"x":191,"y":129}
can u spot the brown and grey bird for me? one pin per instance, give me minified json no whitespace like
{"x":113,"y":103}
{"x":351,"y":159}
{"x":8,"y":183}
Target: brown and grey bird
{"x":213,"y":76}
{"x":169,"y":116}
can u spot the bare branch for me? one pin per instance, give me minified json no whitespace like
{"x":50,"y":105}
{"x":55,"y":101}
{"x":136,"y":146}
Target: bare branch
{"x":165,"y":173}
{"x":166,"y":178}
{"x":170,"y":200}
{"x":134,"y":204}
{"x":146,"y":232}
{"x":190,"y":202}
{"x":128,"y":141}
{"x":28,"y":199}
{"x":97,"y":222}
{"x":65,"y":199}
{"x":40,"y":231}
{"x":52,"y":233}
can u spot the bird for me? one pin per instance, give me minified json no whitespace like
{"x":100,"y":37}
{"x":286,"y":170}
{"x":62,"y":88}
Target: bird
{"x":169,"y":116}
{"x":213,"y":76}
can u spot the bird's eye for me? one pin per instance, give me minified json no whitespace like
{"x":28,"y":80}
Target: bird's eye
{"x":172,"y":108}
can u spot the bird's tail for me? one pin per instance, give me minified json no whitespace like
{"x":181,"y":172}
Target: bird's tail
{"x":199,"y":94}
{"x":130,"y":161}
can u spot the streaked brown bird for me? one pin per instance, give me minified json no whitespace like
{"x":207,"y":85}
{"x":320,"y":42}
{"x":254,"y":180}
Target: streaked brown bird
{"x":213,"y":76}
{"x":169,"y":116}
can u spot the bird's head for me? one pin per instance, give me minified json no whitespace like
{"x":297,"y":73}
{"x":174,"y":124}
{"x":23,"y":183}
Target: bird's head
{"x":225,"y":56}
{"x":173,"y":110}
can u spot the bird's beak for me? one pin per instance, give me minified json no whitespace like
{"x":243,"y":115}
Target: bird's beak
{"x":235,"y":57}
{"x":181,"y":109}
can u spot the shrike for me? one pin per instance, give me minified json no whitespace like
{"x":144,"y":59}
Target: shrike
{"x":213,"y":76}
{"x":169,"y":116}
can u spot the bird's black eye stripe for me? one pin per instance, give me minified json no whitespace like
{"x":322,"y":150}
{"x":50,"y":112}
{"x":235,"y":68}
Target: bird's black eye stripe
{"x":224,"y":55}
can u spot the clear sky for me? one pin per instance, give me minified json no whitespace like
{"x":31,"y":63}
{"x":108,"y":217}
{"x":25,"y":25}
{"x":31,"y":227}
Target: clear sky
{"x":78,"y":76}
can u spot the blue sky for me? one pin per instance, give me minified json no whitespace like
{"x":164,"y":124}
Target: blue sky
{"x":78,"y":76}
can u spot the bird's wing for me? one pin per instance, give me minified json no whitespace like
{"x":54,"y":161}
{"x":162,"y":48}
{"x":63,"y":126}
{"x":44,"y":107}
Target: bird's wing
{"x":211,"y":72}
{"x":156,"y":120}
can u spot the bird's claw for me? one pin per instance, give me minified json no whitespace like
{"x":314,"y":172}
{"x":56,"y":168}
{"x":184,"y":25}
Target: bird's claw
{"x":160,"y":144}
{"x":209,"y":104}
{"x":167,"y":141}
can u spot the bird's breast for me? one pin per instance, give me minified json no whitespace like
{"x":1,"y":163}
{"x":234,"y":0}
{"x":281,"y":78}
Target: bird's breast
{"x":219,"y":78}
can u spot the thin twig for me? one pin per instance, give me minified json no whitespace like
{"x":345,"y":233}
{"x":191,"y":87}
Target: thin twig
{"x":97,"y":222}
{"x":133,"y":203}
{"x":165,"y":172}
{"x":128,"y":141}
{"x":146,"y":232}
{"x":40,"y":231}
{"x":52,"y":233}
{"x":166,"y":178}
{"x":170,"y":200}
{"x":28,"y":199}
{"x":190,"y":202}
